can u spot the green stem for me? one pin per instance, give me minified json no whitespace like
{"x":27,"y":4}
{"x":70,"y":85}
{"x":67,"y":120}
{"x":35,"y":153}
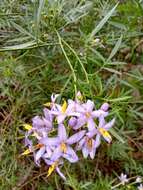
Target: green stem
{"x":73,"y":51}
{"x":70,"y":65}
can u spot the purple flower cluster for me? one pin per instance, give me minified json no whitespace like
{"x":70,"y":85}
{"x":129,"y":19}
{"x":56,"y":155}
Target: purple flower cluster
{"x":76,"y":126}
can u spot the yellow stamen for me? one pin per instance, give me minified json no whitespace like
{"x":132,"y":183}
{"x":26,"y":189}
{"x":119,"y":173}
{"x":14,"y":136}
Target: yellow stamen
{"x":87,"y":114}
{"x":63,"y":147}
{"x":105,"y":133}
{"x":27,"y":126}
{"x":64,"y":106}
{"x":26,"y":152}
{"x":51,"y":168}
{"x":48,"y":104}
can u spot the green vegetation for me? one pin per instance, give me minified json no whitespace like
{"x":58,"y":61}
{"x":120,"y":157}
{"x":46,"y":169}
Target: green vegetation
{"x":61,"y":46}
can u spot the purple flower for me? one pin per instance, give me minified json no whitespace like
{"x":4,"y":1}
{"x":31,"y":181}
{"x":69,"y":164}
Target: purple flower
{"x":54,"y":165}
{"x":41,"y":126}
{"x":88,"y":114}
{"x":63,"y":111}
{"x":62,"y":143}
{"x":103,"y":128}
{"x":88,"y":145}
{"x":52,"y":104}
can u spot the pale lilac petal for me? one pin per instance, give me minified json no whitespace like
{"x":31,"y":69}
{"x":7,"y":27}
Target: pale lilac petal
{"x":62,"y":132}
{"x":47,"y":114}
{"x":39,"y":154}
{"x":93,"y":150}
{"x":89,"y":105}
{"x":99,"y":113}
{"x":92,"y":133}
{"x":70,"y":155}
{"x":80,"y":108}
{"x":80,"y":122}
{"x":48,"y":162}
{"x":85,"y":152}
{"x":71,"y":107}
{"x":55,"y":112}
{"x":90,"y":124}
{"x":53,"y":141}
{"x":54,"y":97}
{"x":60,"y":173}
{"x":47,"y":123}
{"x":97,"y":141}
{"x":101,"y":121}
{"x":56,"y":154}
{"x":37,"y":121}
{"x":48,"y":153}
{"x":73,"y":114}
{"x":76,"y":137}
{"x":81,"y":144}
{"x":110,"y":124}
{"x":60,"y":118}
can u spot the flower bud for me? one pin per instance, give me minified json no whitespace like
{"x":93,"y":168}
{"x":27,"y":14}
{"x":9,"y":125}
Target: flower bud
{"x":72,"y":121}
{"x":105,"y":107}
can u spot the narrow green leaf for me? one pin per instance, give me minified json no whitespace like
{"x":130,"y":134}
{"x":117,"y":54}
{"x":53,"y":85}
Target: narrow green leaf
{"x":19,"y":46}
{"x":41,"y":5}
{"x":120,"y":99}
{"x":103,"y":21}
{"x":112,"y":70}
{"x":21,"y":30}
{"x":116,"y":48}
{"x":115,"y":134}
{"x":40,"y":8}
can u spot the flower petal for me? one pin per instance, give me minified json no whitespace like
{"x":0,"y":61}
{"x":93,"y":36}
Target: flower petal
{"x":53,"y":141}
{"x":85,"y":152}
{"x":101,"y":121}
{"x":37,"y":121}
{"x":62,"y":132}
{"x":109,"y":124}
{"x":56,"y":154}
{"x":99,"y":113}
{"x":76,"y":137}
{"x":47,"y":114}
{"x":60,"y":118}
{"x":39,"y":154}
{"x":93,"y":150}
{"x":48,"y":153}
{"x":97,"y":141}
{"x":60,"y":173}
{"x":89,"y":105}
{"x":80,"y":144}
{"x":80,"y":122}
{"x":70,"y":155}
{"x":90,"y":124}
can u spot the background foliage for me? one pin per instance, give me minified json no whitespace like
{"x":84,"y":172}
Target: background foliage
{"x":61,"y":46}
